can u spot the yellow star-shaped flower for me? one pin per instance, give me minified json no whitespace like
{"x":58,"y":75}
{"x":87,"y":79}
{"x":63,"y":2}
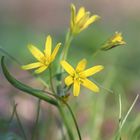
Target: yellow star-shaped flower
{"x":79,"y":76}
{"x":113,"y":41}
{"x":44,"y":59}
{"x":82,"y":20}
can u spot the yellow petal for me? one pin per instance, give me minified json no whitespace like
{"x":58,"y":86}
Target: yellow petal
{"x":81,"y":65}
{"x":41,"y":69}
{"x":80,"y":24}
{"x":31,"y":66}
{"x":76,"y":88}
{"x":68,"y":68}
{"x":90,"y":21}
{"x":48,"y":46}
{"x":36,"y":52}
{"x":83,"y":20}
{"x":80,"y":14}
{"x":55,"y":51}
{"x":68,"y":80}
{"x":73,"y":14}
{"x":92,"y":70}
{"x":90,"y":85}
{"x":117,"y":38}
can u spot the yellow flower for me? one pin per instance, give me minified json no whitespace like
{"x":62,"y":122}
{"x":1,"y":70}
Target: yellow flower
{"x":113,"y":41}
{"x":82,"y":20}
{"x":79,"y":76}
{"x":44,"y":59}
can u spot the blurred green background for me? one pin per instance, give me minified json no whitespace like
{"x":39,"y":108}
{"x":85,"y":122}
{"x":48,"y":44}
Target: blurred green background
{"x":24,"y":22}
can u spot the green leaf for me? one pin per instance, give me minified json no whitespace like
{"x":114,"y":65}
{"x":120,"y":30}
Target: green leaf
{"x":35,"y":92}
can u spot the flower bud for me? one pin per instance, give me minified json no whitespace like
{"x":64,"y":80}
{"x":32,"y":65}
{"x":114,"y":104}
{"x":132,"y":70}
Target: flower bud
{"x":113,"y":41}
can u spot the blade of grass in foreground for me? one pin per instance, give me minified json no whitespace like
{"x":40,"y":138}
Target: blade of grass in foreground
{"x":118,"y":134}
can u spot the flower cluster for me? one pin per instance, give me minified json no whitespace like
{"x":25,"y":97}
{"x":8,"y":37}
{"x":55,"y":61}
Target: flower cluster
{"x":78,"y":76}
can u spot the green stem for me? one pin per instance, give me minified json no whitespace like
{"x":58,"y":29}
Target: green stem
{"x":63,"y":56}
{"x":20,"y":125}
{"x":64,"y":118}
{"x":74,"y":119}
{"x":120,"y":110}
{"x":118,"y":136}
{"x":51,"y":81}
{"x":66,"y":122}
{"x":128,"y":112}
{"x":71,"y":112}
{"x":68,"y":40}
{"x":120,"y":115}
{"x":37,"y":118}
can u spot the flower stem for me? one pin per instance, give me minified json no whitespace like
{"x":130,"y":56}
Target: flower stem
{"x":74,"y":119}
{"x":51,"y":82}
{"x":71,"y":112}
{"x":66,"y":122}
{"x":68,"y":40}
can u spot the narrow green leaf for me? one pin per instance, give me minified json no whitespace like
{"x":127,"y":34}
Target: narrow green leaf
{"x":35,"y":92}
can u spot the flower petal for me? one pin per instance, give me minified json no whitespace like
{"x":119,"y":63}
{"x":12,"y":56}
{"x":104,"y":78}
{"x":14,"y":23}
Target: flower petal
{"x":90,"y":21}
{"x":48,"y":46}
{"x":73,"y":14}
{"x":80,"y":14}
{"x":68,"y":68}
{"x":92,"y":70}
{"x":31,"y":66}
{"x":36,"y":52}
{"x":80,"y":23}
{"x":81,"y":65}
{"x":55,"y":51}
{"x":83,"y":20}
{"x":41,"y":69}
{"x":76,"y":88}
{"x":90,"y":85}
{"x":68,"y":80}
